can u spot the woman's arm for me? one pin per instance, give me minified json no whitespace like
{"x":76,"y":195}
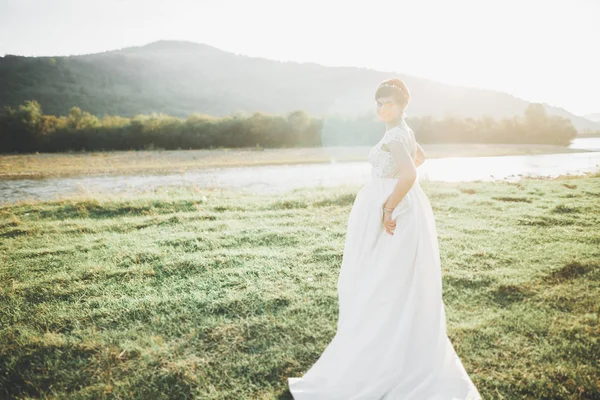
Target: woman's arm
{"x":408,"y":173}
{"x":421,"y":156}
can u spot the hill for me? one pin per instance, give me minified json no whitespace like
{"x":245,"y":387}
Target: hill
{"x":593,"y":117}
{"x":180,"y":78}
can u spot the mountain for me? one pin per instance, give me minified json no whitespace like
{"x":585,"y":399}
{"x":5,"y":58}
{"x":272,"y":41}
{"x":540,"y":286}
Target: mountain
{"x":593,"y":117}
{"x":180,"y":78}
{"x":582,"y":124}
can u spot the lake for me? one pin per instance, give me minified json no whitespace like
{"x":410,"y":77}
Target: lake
{"x":275,"y":178}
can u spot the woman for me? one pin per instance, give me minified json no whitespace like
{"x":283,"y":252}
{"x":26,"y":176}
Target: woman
{"x":391,"y":341}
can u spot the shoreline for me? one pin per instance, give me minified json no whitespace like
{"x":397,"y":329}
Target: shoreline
{"x":79,"y":197}
{"x":163,"y":162}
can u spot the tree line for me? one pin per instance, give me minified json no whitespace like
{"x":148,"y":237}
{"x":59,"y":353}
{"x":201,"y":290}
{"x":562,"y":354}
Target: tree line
{"x":28,"y":129}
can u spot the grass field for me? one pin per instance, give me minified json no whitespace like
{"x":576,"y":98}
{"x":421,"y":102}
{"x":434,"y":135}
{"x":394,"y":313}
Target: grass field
{"x":45,"y":165}
{"x":213,"y":295}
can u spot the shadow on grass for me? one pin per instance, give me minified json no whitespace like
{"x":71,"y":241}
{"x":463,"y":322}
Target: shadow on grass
{"x":506,"y":295}
{"x":574,"y":270}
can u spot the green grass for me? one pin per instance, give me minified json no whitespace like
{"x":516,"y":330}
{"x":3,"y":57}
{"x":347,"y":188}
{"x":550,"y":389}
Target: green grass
{"x":169,"y":295}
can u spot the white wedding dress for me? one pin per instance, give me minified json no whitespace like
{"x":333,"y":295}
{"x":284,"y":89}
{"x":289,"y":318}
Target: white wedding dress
{"x":391,"y":341}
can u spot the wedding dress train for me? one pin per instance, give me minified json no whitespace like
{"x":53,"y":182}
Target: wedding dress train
{"x":391,"y":341}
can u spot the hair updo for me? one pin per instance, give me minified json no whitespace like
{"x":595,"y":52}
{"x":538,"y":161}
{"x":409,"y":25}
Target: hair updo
{"x":396,"y":89}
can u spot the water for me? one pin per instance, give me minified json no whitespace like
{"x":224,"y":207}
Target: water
{"x":509,"y":167}
{"x":285,"y":177}
{"x":590,"y":143}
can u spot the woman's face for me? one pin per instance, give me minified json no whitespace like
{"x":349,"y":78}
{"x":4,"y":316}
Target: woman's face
{"x":387,"y":109}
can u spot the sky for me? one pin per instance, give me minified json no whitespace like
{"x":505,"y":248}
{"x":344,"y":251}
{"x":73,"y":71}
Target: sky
{"x":538,"y":50}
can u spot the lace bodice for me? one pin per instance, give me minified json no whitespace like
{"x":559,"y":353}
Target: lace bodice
{"x":381,"y":159}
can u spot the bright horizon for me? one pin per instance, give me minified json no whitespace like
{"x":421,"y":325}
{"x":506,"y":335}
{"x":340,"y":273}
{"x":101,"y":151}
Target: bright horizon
{"x":540,"y":51}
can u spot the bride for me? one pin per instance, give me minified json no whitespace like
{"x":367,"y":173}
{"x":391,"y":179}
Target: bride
{"x":391,"y":341}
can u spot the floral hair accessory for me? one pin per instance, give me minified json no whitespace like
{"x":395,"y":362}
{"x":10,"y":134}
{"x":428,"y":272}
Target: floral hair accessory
{"x":390,"y":85}
{"x":394,"y":87}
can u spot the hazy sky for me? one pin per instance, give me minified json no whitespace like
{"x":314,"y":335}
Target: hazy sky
{"x":539,"y":50}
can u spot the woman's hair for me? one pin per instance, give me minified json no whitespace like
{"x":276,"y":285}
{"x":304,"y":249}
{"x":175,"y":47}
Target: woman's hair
{"x":398,"y":91}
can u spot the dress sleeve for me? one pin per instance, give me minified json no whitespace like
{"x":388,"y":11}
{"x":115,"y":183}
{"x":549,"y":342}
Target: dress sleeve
{"x":398,"y":134}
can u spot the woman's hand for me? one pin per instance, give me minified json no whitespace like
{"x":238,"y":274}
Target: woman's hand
{"x":389,"y":223}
